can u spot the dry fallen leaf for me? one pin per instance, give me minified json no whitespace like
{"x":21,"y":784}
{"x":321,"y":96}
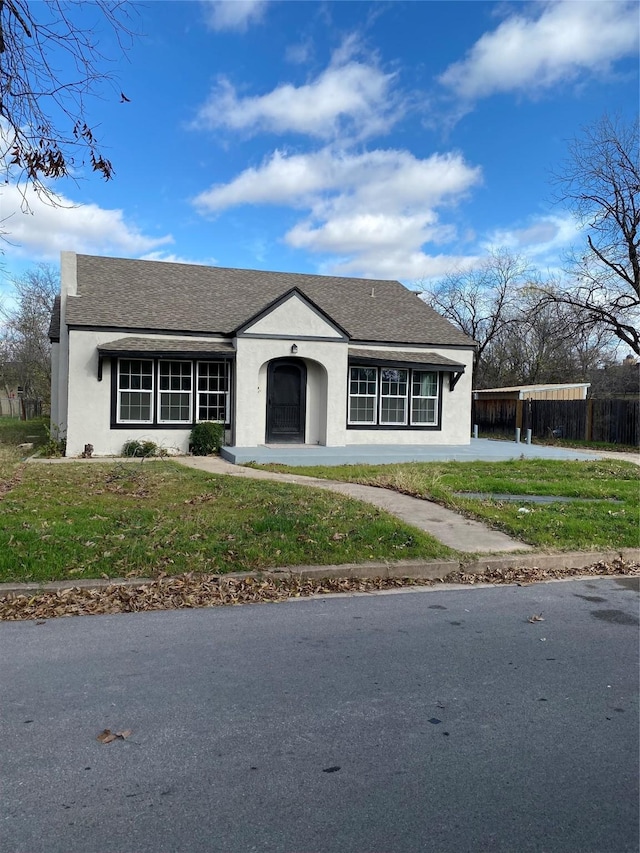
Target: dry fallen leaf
{"x":537,"y":617}
{"x":106,"y":736}
{"x":194,"y":589}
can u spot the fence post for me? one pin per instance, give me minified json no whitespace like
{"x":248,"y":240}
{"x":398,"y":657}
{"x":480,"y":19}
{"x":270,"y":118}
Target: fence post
{"x":518,"y":414}
{"x":588,"y":430}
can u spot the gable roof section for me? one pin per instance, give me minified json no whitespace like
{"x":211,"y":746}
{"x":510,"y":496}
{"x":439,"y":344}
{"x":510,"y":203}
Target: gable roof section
{"x":247,"y":326}
{"x":153,"y":295}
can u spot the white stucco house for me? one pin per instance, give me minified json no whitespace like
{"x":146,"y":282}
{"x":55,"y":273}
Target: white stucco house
{"x":146,"y":349}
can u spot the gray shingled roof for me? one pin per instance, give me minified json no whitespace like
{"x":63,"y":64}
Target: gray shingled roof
{"x":152,"y":295}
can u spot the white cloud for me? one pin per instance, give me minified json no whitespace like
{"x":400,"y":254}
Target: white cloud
{"x":46,"y":230}
{"x":372,"y":211}
{"x":300,"y":53}
{"x":172,"y":258}
{"x":349,"y":98}
{"x":233,"y":14}
{"x":414,"y":266}
{"x":555,"y":44}
{"x":543,"y":239}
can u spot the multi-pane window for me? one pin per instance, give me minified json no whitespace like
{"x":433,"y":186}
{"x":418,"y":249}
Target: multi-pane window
{"x":393,"y":396}
{"x":135,"y":390}
{"x":174,"y":391}
{"x":213,"y":391}
{"x":424,"y":398}
{"x":363,"y":395}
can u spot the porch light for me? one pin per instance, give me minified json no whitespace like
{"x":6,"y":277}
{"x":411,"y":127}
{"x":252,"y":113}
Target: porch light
{"x":294,"y":349}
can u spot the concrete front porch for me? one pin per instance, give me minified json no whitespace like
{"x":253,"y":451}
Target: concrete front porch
{"x":482,"y":449}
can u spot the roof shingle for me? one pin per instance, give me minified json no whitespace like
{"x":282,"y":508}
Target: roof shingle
{"x":153,"y":295}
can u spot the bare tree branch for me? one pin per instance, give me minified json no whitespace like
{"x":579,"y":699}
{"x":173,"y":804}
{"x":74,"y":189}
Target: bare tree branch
{"x":600,"y":181}
{"x":50,"y":62}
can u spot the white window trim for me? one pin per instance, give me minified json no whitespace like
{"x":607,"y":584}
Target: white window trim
{"x":375,"y":397}
{"x":162,"y":391}
{"x":227,"y":393}
{"x":149,"y":391}
{"x":435,"y":397}
{"x":404,"y":397}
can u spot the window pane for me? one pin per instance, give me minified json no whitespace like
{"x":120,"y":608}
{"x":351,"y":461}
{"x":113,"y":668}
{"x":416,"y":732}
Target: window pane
{"x":362,"y":410}
{"x":175,"y":407}
{"x":135,"y":406}
{"x":424,"y":411}
{"x":393,"y":410}
{"x":425,"y":384}
{"x":213,"y":390}
{"x":363,"y":395}
{"x":424,"y":396}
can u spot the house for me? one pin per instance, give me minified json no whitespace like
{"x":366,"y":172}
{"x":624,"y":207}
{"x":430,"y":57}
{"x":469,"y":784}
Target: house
{"x":146,"y":349}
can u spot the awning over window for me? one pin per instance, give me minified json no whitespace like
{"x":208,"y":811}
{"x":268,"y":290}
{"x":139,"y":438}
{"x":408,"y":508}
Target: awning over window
{"x":137,"y":347}
{"x":416,"y":360}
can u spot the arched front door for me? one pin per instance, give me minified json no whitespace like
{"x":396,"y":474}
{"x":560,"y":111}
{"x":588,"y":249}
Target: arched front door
{"x":286,"y":399}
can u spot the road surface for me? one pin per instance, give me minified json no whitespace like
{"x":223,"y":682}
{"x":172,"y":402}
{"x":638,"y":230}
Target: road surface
{"x":439,"y":721}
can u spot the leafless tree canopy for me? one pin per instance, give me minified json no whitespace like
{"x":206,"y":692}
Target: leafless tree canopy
{"x":50,"y":62}
{"x":25,"y":351}
{"x":520,"y":340}
{"x":600,"y":182}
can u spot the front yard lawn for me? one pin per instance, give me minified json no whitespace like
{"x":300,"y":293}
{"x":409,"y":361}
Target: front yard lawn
{"x":87,"y":520}
{"x":605,"y":514}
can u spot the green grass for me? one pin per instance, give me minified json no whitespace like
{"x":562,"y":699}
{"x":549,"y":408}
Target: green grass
{"x":567,"y":526}
{"x":75,"y":520}
{"x":13,"y":431}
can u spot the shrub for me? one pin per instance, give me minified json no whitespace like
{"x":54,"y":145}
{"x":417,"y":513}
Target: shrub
{"x":143,"y":449}
{"x":206,"y":437}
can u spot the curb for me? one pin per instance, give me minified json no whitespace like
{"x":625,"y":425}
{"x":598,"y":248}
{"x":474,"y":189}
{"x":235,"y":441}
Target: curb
{"x":416,"y":569}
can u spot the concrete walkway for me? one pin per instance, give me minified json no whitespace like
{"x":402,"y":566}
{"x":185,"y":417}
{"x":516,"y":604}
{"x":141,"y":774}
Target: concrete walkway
{"x":443,"y":524}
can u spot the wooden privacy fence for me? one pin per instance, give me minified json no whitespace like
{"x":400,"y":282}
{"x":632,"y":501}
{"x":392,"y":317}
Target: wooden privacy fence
{"x":614,"y":421}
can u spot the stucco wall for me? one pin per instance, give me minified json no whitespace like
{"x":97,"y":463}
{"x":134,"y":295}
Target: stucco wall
{"x":90,"y":403}
{"x":326,"y":363}
{"x":294,"y":316}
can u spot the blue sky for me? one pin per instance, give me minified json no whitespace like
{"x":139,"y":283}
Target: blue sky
{"x":387,"y":139}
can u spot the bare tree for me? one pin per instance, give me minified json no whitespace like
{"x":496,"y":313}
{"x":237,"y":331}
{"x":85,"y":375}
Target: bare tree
{"x":600,"y":182}
{"x":25,"y":351}
{"x":483,"y":302}
{"x":550,"y":343}
{"x":50,"y":62}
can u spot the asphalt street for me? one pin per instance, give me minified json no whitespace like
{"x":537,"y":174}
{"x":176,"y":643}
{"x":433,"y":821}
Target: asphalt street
{"x":439,"y":720}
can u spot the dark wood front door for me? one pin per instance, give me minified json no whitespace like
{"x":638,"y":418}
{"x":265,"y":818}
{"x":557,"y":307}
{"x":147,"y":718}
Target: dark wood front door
{"x":286,"y":397}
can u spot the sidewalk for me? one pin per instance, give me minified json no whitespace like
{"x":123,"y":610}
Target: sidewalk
{"x":443,"y":524}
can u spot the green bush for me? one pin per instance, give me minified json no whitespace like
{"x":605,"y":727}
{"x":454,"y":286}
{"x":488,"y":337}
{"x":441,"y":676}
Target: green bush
{"x":143,"y":449}
{"x":206,"y":437}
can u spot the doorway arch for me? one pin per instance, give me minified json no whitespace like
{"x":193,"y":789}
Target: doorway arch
{"x":286,"y":401}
